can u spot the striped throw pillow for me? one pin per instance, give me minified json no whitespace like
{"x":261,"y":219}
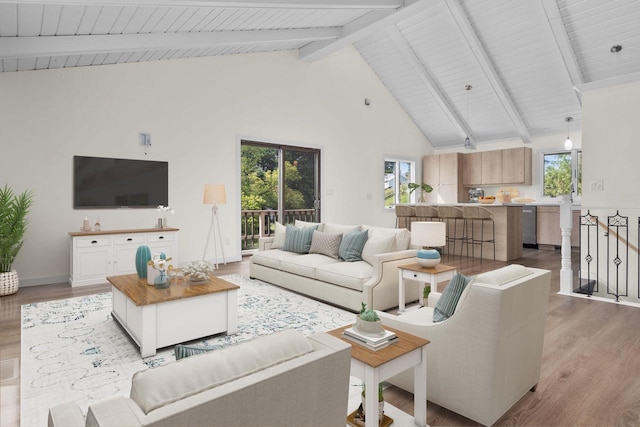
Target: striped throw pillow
{"x":298,"y":239}
{"x":446,"y":305}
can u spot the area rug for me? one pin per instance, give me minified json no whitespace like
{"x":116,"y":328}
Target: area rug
{"x":73,"y":350}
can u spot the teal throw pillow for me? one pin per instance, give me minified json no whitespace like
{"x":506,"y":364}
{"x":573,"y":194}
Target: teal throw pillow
{"x":446,"y":305}
{"x":352,"y":244}
{"x":298,"y":240}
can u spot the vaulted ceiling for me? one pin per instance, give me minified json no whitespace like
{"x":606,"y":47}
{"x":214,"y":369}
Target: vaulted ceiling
{"x":525,"y":60}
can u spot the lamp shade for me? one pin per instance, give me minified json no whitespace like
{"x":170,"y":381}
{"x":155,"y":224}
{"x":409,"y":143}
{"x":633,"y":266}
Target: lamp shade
{"x":214,"y":194}
{"x":429,"y":234}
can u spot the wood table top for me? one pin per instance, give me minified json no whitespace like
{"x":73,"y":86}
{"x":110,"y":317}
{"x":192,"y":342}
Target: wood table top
{"x":141,"y":293}
{"x":406,"y":343}
{"x":439,"y":268}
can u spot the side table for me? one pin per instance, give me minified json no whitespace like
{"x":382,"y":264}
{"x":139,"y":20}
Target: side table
{"x":373,"y":367}
{"x":418,"y":273}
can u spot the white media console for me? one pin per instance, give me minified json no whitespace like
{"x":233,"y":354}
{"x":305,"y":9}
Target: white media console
{"x":98,"y":254}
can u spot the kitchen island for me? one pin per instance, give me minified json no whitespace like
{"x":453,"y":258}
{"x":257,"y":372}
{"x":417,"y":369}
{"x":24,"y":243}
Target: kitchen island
{"x":508,"y":231}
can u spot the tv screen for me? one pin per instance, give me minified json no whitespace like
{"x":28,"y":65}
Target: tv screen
{"x":100,"y":182}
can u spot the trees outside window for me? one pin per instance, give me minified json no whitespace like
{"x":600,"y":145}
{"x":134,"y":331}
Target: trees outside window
{"x":397,"y":175}
{"x":562,"y":173}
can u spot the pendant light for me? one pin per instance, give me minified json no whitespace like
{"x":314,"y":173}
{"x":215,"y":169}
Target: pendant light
{"x":467,"y":140}
{"x":568,"y":144}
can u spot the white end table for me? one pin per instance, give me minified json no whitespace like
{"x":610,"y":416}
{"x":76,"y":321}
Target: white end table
{"x":373,"y":367}
{"x":419,"y":273}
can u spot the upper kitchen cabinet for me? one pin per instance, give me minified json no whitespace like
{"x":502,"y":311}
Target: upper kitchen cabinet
{"x":443,"y":172}
{"x":492,"y":167}
{"x":497,"y":167}
{"x":472,"y":169}
{"x":516,"y":166}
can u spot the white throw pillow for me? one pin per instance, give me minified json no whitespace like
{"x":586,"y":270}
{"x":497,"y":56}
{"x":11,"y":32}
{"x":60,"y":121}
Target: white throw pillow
{"x":373,"y":247}
{"x":304,"y":224}
{"x":279,"y":235}
{"x":503,"y":275}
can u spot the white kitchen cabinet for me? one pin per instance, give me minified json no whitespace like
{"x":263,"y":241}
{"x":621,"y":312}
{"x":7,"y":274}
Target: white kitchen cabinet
{"x":96,"y":255}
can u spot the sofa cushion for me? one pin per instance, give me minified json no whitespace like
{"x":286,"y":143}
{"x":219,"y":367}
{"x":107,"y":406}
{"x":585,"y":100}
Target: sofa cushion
{"x":352,"y":245}
{"x":272,"y":258}
{"x":375,"y":246}
{"x":279,"y":235}
{"x":350,"y":275}
{"x":503,"y":275}
{"x":339,"y":229}
{"x":446,"y":305}
{"x":298,"y":239}
{"x":325,"y":243}
{"x":305,"y":265}
{"x":402,"y":236}
{"x":162,"y":385}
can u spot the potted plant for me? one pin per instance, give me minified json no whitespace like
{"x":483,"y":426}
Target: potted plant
{"x":380,"y":403}
{"x":13,"y":225}
{"x":425,"y":295}
{"x":368,"y":321}
{"x":424,"y":188}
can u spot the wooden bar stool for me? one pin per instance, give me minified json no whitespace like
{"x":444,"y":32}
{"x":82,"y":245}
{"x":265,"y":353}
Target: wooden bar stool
{"x":473,"y":215}
{"x":452,"y":215}
{"x":407,"y":213}
{"x":426,"y":213}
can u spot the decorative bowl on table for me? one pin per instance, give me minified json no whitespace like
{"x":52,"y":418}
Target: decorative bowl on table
{"x":487,"y":200}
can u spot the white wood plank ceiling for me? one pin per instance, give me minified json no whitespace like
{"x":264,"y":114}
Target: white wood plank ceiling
{"x":524,"y":59}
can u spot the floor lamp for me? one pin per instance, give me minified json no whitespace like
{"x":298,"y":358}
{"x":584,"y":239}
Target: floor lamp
{"x":214,"y":194}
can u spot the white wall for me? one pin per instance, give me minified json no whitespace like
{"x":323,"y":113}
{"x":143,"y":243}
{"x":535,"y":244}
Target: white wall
{"x":196,"y":111}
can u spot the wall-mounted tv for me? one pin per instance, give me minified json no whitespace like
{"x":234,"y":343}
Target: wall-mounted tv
{"x":106,"y":183}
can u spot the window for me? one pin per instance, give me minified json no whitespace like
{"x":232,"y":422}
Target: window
{"x":397,"y":174}
{"x":562,"y":173}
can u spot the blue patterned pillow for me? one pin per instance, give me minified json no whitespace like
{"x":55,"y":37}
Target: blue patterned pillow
{"x":352,"y":244}
{"x":182,"y":351}
{"x":446,"y":305}
{"x":298,"y":239}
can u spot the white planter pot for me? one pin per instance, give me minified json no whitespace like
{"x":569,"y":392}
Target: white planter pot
{"x":9,"y":283}
{"x":369,"y":327}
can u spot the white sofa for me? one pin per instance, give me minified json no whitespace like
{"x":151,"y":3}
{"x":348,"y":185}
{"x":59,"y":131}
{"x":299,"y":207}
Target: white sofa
{"x":373,"y":280}
{"x":282,"y":379}
{"x":487,"y":355}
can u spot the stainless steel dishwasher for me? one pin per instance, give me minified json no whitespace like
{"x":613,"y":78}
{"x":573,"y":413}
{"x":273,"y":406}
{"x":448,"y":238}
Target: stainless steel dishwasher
{"x":529,"y":228}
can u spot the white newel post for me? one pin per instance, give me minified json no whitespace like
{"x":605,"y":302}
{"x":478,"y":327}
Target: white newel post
{"x":566,"y":274}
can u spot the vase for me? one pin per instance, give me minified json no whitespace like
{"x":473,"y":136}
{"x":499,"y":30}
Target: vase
{"x":162,"y":281}
{"x":192,"y":278}
{"x":9,"y":283}
{"x":374,"y":328}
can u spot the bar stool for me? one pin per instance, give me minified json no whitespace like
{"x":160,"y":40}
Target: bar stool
{"x":426,"y":213}
{"x":407,"y":213}
{"x":473,"y":214}
{"x":452,"y":215}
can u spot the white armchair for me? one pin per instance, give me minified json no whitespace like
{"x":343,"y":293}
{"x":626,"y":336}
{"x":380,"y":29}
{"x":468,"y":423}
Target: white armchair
{"x":487,"y":355}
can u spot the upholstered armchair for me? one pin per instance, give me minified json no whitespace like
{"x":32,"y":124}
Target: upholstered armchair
{"x":487,"y":355}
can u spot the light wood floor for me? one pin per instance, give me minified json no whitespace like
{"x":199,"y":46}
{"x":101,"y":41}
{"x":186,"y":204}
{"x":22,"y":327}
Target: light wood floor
{"x":590,"y":366}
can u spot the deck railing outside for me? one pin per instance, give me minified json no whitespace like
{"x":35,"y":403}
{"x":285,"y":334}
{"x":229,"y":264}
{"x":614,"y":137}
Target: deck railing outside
{"x":262,"y":223}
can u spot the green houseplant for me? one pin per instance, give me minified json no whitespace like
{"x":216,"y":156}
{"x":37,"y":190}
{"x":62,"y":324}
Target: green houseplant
{"x":13,"y":225}
{"x":368,"y":321}
{"x":424,"y":188}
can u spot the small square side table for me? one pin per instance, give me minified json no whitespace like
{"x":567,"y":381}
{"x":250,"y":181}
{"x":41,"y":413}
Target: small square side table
{"x":373,"y":367}
{"x":419,"y":273}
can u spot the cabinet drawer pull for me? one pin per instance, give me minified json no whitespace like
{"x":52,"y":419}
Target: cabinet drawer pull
{"x":415,"y":275}
{"x":93,"y":242}
{"x":161,"y":237}
{"x":129,"y":239}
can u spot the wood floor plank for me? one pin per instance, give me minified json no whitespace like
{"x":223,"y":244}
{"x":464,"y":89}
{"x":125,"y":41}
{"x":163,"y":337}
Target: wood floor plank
{"x":590,"y":365}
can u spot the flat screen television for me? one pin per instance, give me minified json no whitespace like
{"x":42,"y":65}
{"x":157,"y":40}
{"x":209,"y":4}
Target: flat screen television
{"x":106,"y":183}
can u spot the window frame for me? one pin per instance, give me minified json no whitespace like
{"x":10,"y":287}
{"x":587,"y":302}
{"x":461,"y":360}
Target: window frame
{"x":575,"y":173}
{"x":398,"y":160}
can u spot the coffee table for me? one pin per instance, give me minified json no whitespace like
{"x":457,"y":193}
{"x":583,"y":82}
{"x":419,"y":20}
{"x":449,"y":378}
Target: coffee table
{"x":156,"y":318}
{"x":373,"y":367}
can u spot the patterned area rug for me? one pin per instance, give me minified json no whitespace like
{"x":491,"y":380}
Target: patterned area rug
{"x":73,"y":350}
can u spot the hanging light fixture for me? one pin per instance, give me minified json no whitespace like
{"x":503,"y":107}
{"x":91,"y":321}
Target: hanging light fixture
{"x":467,"y":140}
{"x":568,"y":144}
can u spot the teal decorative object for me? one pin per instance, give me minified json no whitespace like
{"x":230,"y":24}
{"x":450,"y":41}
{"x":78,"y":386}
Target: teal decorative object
{"x":162,"y":281}
{"x":143,"y":255}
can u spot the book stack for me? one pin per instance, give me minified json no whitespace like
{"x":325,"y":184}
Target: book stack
{"x":371,"y":341}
